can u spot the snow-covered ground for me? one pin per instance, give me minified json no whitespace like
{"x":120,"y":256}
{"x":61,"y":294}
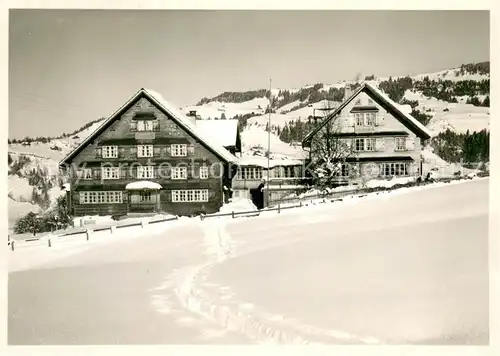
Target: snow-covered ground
{"x":413,"y":270}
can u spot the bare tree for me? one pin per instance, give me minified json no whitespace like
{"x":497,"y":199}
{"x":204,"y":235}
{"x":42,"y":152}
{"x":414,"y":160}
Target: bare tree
{"x":329,"y":150}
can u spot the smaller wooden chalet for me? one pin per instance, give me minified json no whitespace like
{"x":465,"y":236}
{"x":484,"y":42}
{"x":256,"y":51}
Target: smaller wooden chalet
{"x":148,"y":157}
{"x":385,"y":140}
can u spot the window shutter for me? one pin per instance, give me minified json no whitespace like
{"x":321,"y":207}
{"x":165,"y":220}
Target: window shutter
{"x":379,"y":119}
{"x":190,"y":149}
{"x":96,"y":173}
{"x":133,"y":151}
{"x":157,"y":151}
{"x":379,"y":144}
{"x":349,"y":120}
{"x":381,"y":170}
{"x":156,"y":126}
{"x":156,"y":172}
{"x":410,"y":144}
{"x":211,"y":193}
{"x":168,"y":150}
{"x":98,"y":152}
{"x":124,"y":196}
{"x":167,"y":172}
{"x":133,"y":125}
{"x":123,"y":173}
{"x":121,"y":152}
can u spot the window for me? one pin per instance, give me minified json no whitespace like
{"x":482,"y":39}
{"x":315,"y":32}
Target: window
{"x":178,"y":150}
{"x":343,"y":171}
{"x":365,"y":119}
{"x":145,"y":172}
{"x":110,"y":197}
{"x":190,"y":196}
{"x":110,"y":172}
{"x":145,"y":151}
{"x":179,"y":172}
{"x":146,"y":197}
{"x":370,"y":119}
{"x":400,"y":144}
{"x":394,"y":169}
{"x":109,"y":151}
{"x":250,"y":173}
{"x":360,"y":119}
{"x":365,"y":144}
{"x":204,"y":172}
{"x":144,"y":125}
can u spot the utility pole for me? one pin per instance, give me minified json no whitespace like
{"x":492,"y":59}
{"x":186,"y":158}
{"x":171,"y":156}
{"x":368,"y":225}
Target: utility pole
{"x":269,"y":141}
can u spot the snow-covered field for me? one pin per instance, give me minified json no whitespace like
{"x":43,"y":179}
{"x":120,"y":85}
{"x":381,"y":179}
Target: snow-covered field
{"x":411,"y":271}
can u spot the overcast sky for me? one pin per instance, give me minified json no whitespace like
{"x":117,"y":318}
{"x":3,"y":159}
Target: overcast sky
{"x":69,"y":67}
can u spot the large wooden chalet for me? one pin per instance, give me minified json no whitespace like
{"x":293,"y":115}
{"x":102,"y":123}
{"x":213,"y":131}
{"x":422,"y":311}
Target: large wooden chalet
{"x":149,"y":157}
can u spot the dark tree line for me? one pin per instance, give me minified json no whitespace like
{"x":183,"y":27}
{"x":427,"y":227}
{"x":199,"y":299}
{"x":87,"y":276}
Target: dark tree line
{"x":470,"y":147}
{"x":236,"y":97}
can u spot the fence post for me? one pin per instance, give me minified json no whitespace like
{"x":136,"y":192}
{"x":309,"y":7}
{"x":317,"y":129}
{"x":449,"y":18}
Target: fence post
{"x":300,"y":205}
{"x":88,"y":233}
{"x":12,"y":244}
{"x":112,"y":228}
{"x":50,"y":244}
{"x":143,"y":224}
{"x":232,"y":214}
{"x":278,"y":208}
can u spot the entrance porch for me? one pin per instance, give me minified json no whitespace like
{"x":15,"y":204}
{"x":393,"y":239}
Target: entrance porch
{"x":143,"y":197}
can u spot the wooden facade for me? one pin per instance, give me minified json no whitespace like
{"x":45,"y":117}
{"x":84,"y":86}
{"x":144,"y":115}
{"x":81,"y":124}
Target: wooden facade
{"x":147,"y":141}
{"x":386,"y":141}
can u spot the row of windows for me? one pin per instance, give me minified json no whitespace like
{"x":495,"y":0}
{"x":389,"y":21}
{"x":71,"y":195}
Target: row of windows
{"x":393,"y":169}
{"x":109,"y":197}
{"x":145,"y":125}
{"x":385,"y":170}
{"x":143,"y":172}
{"x":116,"y":197}
{"x":154,"y":126}
{"x":256,"y":173}
{"x":374,"y":144}
{"x":190,"y":195}
{"x":175,"y":150}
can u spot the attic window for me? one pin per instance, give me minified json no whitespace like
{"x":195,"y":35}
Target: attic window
{"x":144,"y":115}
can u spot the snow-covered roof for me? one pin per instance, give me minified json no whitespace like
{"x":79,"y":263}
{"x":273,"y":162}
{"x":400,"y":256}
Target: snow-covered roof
{"x":262,"y":162}
{"x":407,"y":115}
{"x":184,"y":121}
{"x":371,"y":87}
{"x":142,"y":185}
{"x":224,"y":132}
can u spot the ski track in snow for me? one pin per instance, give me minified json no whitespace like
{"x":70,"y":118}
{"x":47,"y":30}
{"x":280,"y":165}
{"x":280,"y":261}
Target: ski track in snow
{"x":217,"y":304}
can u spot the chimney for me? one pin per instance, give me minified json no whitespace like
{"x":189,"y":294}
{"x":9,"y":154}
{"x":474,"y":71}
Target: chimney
{"x":347,"y":92}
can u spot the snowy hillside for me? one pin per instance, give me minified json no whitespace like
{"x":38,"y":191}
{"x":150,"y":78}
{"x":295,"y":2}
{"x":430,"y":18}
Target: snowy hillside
{"x":458,"y":117}
{"x":28,"y":161}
